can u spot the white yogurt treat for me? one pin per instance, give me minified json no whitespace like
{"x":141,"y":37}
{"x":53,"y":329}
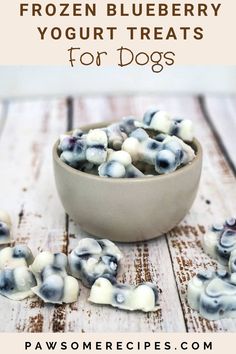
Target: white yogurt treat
{"x":144,"y":150}
{"x":54,"y":285}
{"x":94,"y":258}
{"x":107,"y":291}
{"x":220,"y":241}
{"x":187,"y":154}
{"x":73,"y":150}
{"x":166,"y":155}
{"x":213,"y":294}
{"x":162,"y":121}
{"x":5,"y":228}
{"x":16,"y":283}
{"x":17,"y":256}
{"x":128,"y":125}
{"x":119,"y":165}
{"x":97,"y":143}
{"x":115,"y":136}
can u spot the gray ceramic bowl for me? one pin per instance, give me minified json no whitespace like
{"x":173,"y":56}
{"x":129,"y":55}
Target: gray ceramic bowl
{"x":127,"y":210}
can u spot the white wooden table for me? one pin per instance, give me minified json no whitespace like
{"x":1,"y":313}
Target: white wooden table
{"x":27,"y":131}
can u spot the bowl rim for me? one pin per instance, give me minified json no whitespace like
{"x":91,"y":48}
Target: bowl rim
{"x":72,"y":170}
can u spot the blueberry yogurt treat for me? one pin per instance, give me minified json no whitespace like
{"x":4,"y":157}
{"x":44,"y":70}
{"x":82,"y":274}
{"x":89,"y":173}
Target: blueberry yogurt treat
{"x":92,"y":259}
{"x":54,"y":285}
{"x":16,"y":280}
{"x":220,"y":242}
{"x":107,"y":291}
{"x":5,"y":228}
{"x":17,"y":256}
{"x":161,"y":121}
{"x":213,"y":294}
{"x":16,"y":283}
{"x":100,"y":151}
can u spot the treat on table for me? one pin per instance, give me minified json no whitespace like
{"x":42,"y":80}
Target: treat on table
{"x":54,"y":285}
{"x":17,"y":256}
{"x":213,"y":294}
{"x":220,"y":241}
{"x":97,"y":143}
{"x":16,"y":283}
{"x":119,"y":165}
{"x":162,"y":122}
{"x":159,"y":141}
{"x":5,"y":228}
{"x":107,"y":291}
{"x":94,"y":258}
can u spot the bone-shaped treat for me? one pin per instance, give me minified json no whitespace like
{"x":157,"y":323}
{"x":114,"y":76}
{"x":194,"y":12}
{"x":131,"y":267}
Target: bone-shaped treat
{"x":17,"y":256}
{"x":213,"y":294}
{"x":220,"y":241}
{"x":107,"y":291}
{"x":16,"y":283}
{"x":166,"y":155}
{"x":174,"y":153}
{"x":115,"y":136}
{"x":161,"y":121}
{"x":5,"y":228}
{"x":128,"y":125}
{"x":94,"y":258}
{"x":141,"y":147}
{"x":97,"y":143}
{"x":72,"y":150}
{"x":54,"y":285}
{"x":119,"y":165}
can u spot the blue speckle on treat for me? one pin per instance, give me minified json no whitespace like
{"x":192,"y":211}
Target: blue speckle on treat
{"x":51,"y":292}
{"x":148,"y":116}
{"x":7,"y":280}
{"x":20,"y":251}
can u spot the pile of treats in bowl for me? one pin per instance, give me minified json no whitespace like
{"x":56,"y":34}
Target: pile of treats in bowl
{"x":53,"y":276}
{"x":158,"y":145}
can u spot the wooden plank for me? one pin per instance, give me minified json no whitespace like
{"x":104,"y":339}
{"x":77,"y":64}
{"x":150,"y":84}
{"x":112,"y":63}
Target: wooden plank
{"x":142,"y":262}
{"x":28,"y":193}
{"x":221,"y":112}
{"x":215,"y":202}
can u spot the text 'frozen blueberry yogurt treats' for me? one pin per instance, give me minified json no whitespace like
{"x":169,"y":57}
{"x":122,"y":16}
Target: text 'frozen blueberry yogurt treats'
{"x":160,"y":141}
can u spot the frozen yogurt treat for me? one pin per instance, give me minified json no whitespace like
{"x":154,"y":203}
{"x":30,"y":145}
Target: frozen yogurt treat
{"x":16,"y":283}
{"x":106,"y":291}
{"x":5,"y":228}
{"x":94,"y":258}
{"x":54,"y":285}
{"x":17,"y":256}
{"x":213,"y":294}
{"x":220,"y":241}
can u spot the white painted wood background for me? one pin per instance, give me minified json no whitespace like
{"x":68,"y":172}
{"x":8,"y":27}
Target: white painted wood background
{"x":27,"y":131}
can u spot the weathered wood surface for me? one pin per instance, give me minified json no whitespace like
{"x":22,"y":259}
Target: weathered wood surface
{"x":222,"y":115}
{"x":28,"y":193}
